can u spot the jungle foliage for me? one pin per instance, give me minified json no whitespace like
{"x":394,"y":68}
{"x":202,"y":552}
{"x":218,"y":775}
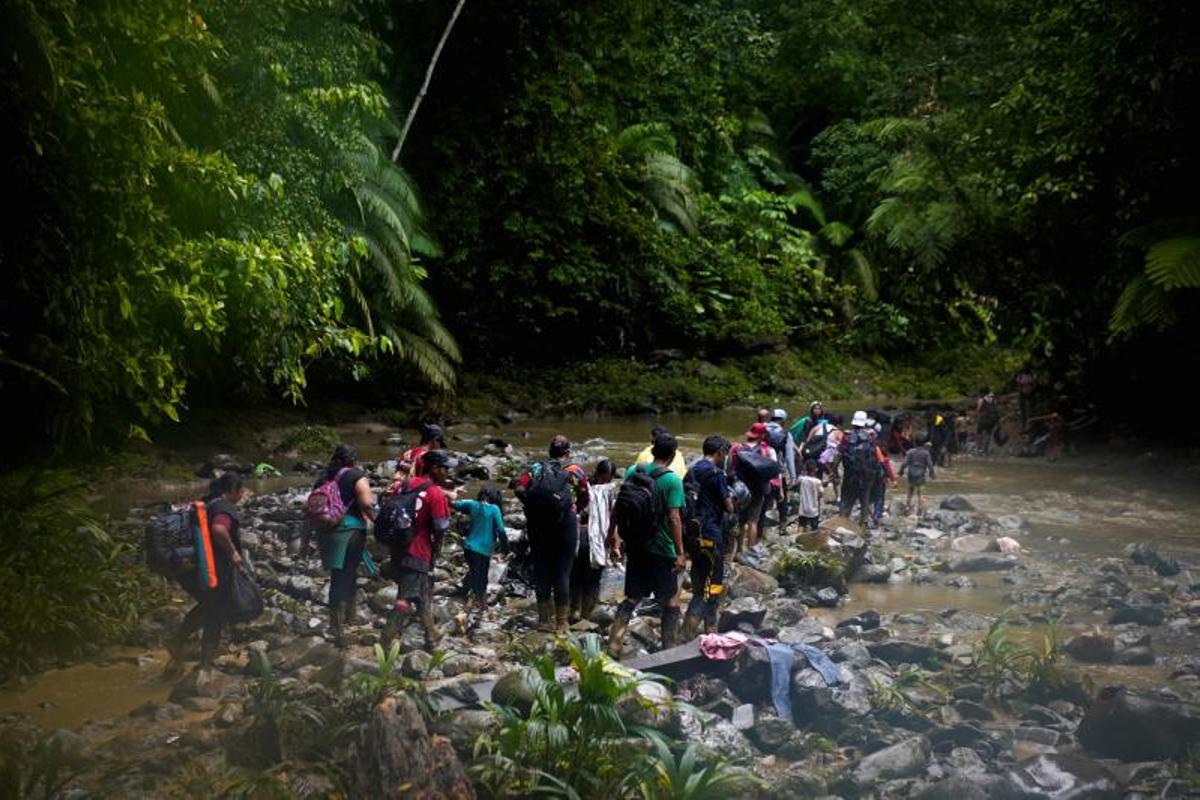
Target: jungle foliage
{"x":207,"y":205}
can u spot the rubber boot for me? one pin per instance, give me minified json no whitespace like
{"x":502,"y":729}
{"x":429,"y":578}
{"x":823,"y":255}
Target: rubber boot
{"x":335,"y":627}
{"x":587,"y":606}
{"x":616,"y":633}
{"x":432,"y":634}
{"x":691,"y":625}
{"x":670,"y":627}
{"x":562,"y":616}
{"x":545,"y":609}
{"x":397,"y":621}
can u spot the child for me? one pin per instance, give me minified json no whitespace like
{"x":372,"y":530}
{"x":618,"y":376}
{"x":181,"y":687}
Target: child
{"x":593,"y":532}
{"x":809,"y":486}
{"x":487,"y":530}
{"x":919,"y":463}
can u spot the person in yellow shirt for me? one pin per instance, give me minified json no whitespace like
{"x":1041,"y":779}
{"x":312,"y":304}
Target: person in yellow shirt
{"x":645,"y":457}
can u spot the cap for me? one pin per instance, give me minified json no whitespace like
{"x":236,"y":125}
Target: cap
{"x":860,"y":419}
{"x":438,"y":458}
{"x":757,"y":431}
{"x":779,"y":416}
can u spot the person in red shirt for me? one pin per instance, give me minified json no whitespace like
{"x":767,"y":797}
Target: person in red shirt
{"x":413,"y":563}
{"x":433,"y":437}
{"x":553,"y":531}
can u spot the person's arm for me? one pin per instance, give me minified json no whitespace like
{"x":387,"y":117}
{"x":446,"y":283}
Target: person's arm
{"x":223,"y":540}
{"x":582,"y":495}
{"x":614,"y":541}
{"x":499,"y":533}
{"x":929,"y":458}
{"x":723,"y":490}
{"x":677,"y":534}
{"x":904,"y":466}
{"x":365,"y":498}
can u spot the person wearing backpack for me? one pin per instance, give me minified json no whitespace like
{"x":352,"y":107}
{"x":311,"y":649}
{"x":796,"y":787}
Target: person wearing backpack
{"x":413,"y":556}
{"x":553,"y":493}
{"x":433,"y":437}
{"x":486,"y":534}
{"x":803,"y":426}
{"x":784,"y":445}
{"x":592,"y":556}
{"x":706,"y":487}
{"x":750,"y":516}
{"x":884,"y":474}
{"x":211,"y":611}
{"x":647,"y":519}
{"x":859,"y":468}
{"x":340,"y":506}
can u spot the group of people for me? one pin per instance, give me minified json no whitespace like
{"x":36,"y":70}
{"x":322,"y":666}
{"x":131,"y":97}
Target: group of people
{"x":662,"y":518}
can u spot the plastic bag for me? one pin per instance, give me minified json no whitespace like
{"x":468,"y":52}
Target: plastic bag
{"x":245,"y":600}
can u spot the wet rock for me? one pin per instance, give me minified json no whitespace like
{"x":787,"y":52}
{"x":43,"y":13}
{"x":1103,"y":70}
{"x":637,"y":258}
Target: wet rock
{"x":969,"y":691}
{"x":873,"y":573}
{"x":205,"y":683}
{"x":462,"y":664}
{"x":1060,"y":776}
{"x":770,"y":734}
{"x":745,"y":614}
{"x":867,"y":620}
{"x":969,"y":709}
{"x":716,"y":735}
{"x":961,"y":582}
{"x":981,"y":562}
{"x":1143,"y":553}
{"x":976,"y":787}
{"x":1138,"y":727}
{"x":462,"y":727}
{"x":751,"y":675}
{"x":956,"y":503}
{"x":302,"y":652}
{"x":901,"y":760}
{"x":964,"y":762}
{"x":395,"y":757}
{"x":512,"y":690}
{"x":898,"y":651}
{"x":652,"y":708}
{"x":971,"y":543}
{"x":1094,"y":647}
{"x":1037,"y":735}
{"x":383,"y":600}
{"x":797,"y":782}
{"x":1136,"y":657}
{"x":1142,"y":614}
{"x":750,"y":582}
{"x":828,"y":597}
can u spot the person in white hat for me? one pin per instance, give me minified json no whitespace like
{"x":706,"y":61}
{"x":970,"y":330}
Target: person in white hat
{"x":780,"y":439}
{"x":860,"y":467}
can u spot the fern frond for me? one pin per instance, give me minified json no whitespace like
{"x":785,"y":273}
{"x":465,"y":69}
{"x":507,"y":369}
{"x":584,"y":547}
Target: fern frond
{"x":1141,"y":304}
{"x":863,"y":273}
{"x":1175,"y":263}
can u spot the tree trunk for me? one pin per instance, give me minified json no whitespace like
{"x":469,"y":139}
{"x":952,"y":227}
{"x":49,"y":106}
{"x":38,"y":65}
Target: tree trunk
{"x":412,"y":112}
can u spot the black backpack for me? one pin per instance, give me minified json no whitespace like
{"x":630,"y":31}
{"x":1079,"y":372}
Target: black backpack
{"x":396,"y":525}
{"x":548,"y":495}
{"x":777,"y":437}
{"x":859,"y":459}
{"x":637,"y":509}
{"x":755,"y":469}
{"x":170,"y":539}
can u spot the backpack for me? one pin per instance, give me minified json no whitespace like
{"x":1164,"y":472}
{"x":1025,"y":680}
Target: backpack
{"x":777,"y":437}
{"x":859,"y":459}
{"x":396,"y":525}
{"x":169,"y":541}
{"x":691,"y":496}
{"x":324,"y":507}
{"x":548,"y":495}
{"x":637,"y":509}
{"x":755,"y":469}
{"x":816,"y":444}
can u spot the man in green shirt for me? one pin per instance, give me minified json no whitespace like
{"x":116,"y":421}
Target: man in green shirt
{"x":653,"y":567}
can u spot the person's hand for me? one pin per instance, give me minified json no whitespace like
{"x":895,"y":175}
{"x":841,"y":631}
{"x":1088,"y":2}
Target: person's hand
{"x":680,"y":562}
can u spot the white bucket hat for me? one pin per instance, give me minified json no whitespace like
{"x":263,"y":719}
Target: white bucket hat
{"x":860,"y":419}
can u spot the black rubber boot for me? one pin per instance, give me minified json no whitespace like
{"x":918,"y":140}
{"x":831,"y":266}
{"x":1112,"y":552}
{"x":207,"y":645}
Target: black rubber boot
{"x":670,"y":627}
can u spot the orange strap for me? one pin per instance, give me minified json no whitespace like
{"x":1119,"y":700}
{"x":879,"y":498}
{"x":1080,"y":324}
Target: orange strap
{"x":206,"y":543}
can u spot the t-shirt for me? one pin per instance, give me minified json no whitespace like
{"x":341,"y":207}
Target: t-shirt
{"x":810,"y":496}
{"x":223,"y":512}
{"x":677,"y":465}
{"x":487,"y":526}
{"x":919,"y":463}
{"x":670,"y":495}
{"x":576,"y":479}
{"x":431,"y":506}
{"x":710,"y":504}
{"x":412,"y":457}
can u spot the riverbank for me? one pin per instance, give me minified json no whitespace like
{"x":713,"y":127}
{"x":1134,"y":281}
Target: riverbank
{"x":927,"y":691}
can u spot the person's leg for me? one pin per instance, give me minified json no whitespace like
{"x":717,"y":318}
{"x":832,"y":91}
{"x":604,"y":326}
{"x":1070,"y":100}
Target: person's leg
{"x":568,"y":545}
{"x":407,"y":606}
{"x":590,"y":593}
{"x":700,"y":574}
{"x":210,"y":639}
{"x":846,"y":500}
{"x":666,"y":590}
{"x":191,"y":622}
{"x":920,"y":501}
{"x":579,"y":578}
{"x":543,"y":552}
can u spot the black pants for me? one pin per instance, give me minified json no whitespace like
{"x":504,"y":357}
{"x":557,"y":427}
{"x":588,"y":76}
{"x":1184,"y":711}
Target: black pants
{"x":856,"y":489}
{"x":341,"y":581}
{"x":208,"y":614}
{"x":585,"y":579}
{"x":708,"y":579}
{"x":553,"y":556}
{"x":477,"y":574}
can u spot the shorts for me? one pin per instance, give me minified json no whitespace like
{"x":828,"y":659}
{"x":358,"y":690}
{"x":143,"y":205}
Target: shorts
{"x":647,"y":574}
{"x":414,"y":585}
{"x":753,"y":509}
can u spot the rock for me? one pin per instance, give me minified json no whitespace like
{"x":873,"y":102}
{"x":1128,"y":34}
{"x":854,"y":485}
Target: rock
{"x":744,"y":611}
{"x":511,"y":690}
{"x":932,"y":534}
{"x":898,"y":651}
{"x":961,"y":582}
{"x":901,"y":760}
{"x":462,"y":664}
{"x":1008,"y":546}
{"x":1136,"y":657}
{"x":797,"y":782}
{"x":873,"y":573}
{"x":964,"y":762}
{"x":462,"y":727}
{"x":384,"y":599}
{"x":770,"y":734}
{"x":972,"y":543}
{"x":750,"y":678}
{"x":1135,"y":727}
{"x":652,"y":708}
{"x":1060,"y":776}
{"x":74,"y":751}
{"x":1037,"y":735}
{"x":302,"y":652}
{"x":828,"y":597}
{"x":956,"y":503}
{"x":1141,"y":614}
{"x":395,"y":757}
{"x":867,"y":620}
{"x":829,"y":708}
{"x":969,"y":709}
{"x":981,"y":562}
{"x":715,"y":734}
{"x":976,"y":787}
{"x":743,"y":717}
{"x":205,"y":683}
{"x":750,"y":582}
{"x":1093,"y":647}
{"x":202,"y":704}
{"x":969,"y":691}
{"x":852,"y":652}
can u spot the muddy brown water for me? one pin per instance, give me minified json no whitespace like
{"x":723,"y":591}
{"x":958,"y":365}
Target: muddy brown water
{"x":1074,"y":510}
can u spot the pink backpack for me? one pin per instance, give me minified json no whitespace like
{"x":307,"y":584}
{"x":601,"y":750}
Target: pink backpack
{"x":324,"y":506}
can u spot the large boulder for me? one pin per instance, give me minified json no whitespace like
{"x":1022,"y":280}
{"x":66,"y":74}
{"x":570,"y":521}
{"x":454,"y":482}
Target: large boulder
{"x":898,"y":651}
{"x":1136,"y":727}
{"x":1093,"y":647}
{"x":956,"y":503}
{"x":1061,"y":776}
{"x":1141,"y":613}
{"x":395,"y":757}
{"x":716,"y":735}
{"x":981,"y":562}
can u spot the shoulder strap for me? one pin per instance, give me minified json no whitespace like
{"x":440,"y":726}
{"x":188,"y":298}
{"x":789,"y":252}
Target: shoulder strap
{"x":659,"y":472}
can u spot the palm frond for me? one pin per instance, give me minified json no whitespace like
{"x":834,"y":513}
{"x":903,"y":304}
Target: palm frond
{"x":863,"y":273}
{"x":1141,"y":304}
{"x":804,"y":198}
{"x":1175,"y":263}
{"x":667,"y":183}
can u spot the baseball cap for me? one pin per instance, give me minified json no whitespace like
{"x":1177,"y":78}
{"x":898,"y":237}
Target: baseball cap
{"x":757,"y":431}
{"x":779,"y":415}
{"x":439,"y":458}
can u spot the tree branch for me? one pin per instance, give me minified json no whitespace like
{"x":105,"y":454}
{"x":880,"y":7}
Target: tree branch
{"x":412,"y":112}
